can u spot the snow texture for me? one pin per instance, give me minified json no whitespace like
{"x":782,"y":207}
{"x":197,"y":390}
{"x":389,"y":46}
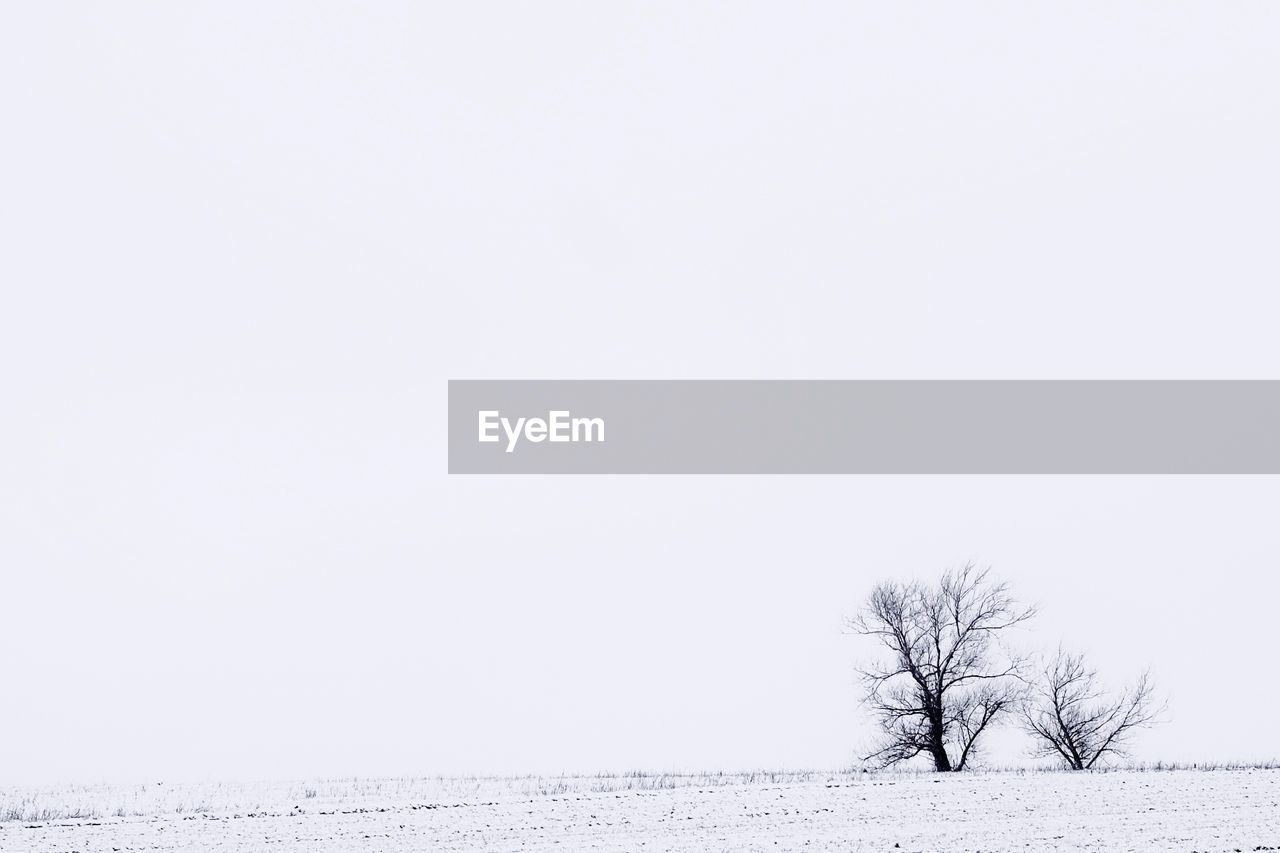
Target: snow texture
{"x":1188,"y":810}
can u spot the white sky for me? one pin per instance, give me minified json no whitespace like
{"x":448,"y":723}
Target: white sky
{"x":245,"y":245}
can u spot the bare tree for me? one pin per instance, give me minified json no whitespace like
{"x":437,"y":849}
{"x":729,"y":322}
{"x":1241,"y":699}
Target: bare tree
{"x":1072,"y":718}
{"x":946,"y":678}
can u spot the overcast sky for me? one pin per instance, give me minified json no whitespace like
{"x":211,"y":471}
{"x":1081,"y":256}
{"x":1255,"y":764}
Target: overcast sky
{"x":245,"y":246}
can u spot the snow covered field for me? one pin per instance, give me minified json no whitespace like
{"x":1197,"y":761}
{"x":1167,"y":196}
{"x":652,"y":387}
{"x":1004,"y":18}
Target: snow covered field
{"x":1186,"y":810}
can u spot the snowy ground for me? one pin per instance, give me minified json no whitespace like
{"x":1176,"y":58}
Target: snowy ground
{"x":1217,"y":810}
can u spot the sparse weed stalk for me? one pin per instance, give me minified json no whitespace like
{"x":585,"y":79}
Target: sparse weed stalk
{"x":92,"y":802}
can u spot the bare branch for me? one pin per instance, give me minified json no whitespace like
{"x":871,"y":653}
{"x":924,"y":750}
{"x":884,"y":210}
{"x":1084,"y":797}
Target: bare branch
{"x":946,"y":679}
{"x":1073,"y":719}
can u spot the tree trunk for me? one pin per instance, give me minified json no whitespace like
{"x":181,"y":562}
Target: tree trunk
{"x":937,"y":747}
